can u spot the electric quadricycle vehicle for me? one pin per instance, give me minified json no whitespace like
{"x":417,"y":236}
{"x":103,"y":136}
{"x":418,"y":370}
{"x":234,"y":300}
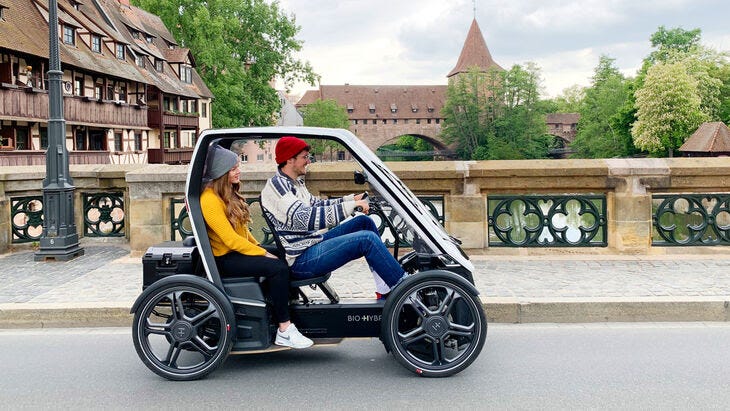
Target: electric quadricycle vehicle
{"x":188,"y":319}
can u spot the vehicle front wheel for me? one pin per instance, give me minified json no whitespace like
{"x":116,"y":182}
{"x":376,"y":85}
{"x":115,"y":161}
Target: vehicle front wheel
{"x":182,"y":329}
{"x":434,"y":324}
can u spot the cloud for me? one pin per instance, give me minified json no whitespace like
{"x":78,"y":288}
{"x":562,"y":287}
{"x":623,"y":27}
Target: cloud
{"x":418,"y":42}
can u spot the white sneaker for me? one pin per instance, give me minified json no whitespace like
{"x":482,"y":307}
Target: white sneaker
{"x":292,"y":338}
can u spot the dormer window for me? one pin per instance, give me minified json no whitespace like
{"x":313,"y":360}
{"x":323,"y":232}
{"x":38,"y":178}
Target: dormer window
{"x":371,"y":108}
{"x":135,"y":34}
{"x":69,"y":35}
{"x":75,"y":4}
{"x":414,"y":108}
{"x":393,"y":108}
{"x":95,"y":43}
{"x":120,"y":51}
{"x":2,"y":12}
{"x":148,"y":38}
{"x":186,"y":74}
{"x":139,"y":59}
{"x":350,"y":107}
{"x":430,"y":108}
{"x":158,"y":65}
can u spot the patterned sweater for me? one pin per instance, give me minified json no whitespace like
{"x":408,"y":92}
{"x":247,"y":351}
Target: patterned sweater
{"x":300,"y":218}
{"x":223,"y":237}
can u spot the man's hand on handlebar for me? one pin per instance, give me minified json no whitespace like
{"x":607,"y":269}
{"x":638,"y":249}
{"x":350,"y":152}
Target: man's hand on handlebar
{"x":362,"y":206}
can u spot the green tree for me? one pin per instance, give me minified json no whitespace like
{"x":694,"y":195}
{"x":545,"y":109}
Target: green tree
{"x":496,"y":115}
{"x":570,"y":100}
{"x":239,"y":47}
{"x":325,"y":113}
{"x":599,"y":112}
{"x":670,"y":41}
{"x":668,"y":108}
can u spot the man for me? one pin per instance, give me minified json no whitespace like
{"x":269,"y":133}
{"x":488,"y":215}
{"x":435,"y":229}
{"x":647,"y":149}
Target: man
{"x":314,"y":233}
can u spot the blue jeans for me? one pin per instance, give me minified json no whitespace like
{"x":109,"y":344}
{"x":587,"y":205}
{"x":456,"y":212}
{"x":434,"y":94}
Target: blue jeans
{"x":355,"y":238}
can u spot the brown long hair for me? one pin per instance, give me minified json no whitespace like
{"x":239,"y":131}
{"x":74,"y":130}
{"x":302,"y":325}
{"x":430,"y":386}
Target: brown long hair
{"x":236,"y":207}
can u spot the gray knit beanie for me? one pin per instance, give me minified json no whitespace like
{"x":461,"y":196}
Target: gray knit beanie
{"x":220,"y":161}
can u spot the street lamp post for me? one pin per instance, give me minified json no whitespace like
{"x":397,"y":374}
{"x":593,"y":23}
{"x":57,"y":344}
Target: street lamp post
{"x":59,"y":240}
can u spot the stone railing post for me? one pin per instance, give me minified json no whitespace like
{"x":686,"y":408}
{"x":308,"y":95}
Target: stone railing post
{"x":629,"y":205}
{"x":150,"y":189}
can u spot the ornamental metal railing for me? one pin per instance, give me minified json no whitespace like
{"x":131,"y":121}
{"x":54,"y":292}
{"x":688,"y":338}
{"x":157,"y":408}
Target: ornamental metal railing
{"x":691,"y":219}
{"x":26,"y":217}
{"x":180,"y":221}
{"x":547,"y":221}
{"x":104,"y":214}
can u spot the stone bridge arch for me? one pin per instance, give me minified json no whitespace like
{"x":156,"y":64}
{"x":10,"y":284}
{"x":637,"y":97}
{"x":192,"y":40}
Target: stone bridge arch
{"x":377,"y":135}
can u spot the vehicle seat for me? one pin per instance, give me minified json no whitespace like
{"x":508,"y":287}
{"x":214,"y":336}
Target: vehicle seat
{"x":314,"y":282}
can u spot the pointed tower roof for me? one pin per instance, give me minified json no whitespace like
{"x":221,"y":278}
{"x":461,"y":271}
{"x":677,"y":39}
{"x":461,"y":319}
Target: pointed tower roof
{"x":474,"y":52}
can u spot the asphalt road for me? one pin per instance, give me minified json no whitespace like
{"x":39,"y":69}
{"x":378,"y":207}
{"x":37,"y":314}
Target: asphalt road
{"x":599,"y":366}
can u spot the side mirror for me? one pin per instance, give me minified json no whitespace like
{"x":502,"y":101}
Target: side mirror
{"x":360,"y":178}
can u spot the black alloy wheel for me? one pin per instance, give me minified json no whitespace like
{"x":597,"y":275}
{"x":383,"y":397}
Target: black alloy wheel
{"x":183,"y":329}
{"x":434,"y":324}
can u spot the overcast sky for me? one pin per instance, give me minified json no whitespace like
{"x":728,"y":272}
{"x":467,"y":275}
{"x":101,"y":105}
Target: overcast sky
{"x":419,"y":41}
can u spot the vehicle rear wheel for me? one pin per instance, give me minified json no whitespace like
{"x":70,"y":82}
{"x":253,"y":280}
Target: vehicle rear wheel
{"x":182,"y":330}
{"x":433,"y":324}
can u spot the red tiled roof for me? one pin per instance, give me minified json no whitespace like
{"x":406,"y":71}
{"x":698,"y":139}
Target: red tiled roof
{"x":711,"y":137}
{"x":474,"y":53}
{"x":562,"y":118}
{"x":385,"y":102}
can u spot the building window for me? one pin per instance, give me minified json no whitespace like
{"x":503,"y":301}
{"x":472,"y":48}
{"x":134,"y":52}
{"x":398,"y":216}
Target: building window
{"x":123,"y":92}
{"x":204,"y":110}
{"x":138,"y":141}
{"x":438,"y":121}
{"x":186,"y":74}
{"x":393,"y":108}
{"x":405,"y":121}
{"x":80,"y":140}
{"x":418,"y":121}
{"x":2,"y":12}
{"x":166,"y":140}
{"x":79,"y":86}
{"x":135,"y":34}
{"x":385,"y":121}
{"x":259,"y":157}
{"x":244,"y":157}
{"x":158,"y":65}
{"x":21,"y":139}
{"x":44,"y":138}
{"x":117,"y":141}
{"x":340,"y":155}
{"x":96,"y":44}
{"x":395,"y":121}
{"x":148,"y":38}
{"x":110,"y":91}
{"x":139,"y":59}
{"x":69,"y":35}
{"x":120,"y":51}
{"x":371,"y":108}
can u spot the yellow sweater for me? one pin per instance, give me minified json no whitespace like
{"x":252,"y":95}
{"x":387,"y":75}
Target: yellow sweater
{"x":223,"y":237}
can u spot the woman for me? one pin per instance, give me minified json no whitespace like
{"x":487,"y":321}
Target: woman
{"x":236,"y":251}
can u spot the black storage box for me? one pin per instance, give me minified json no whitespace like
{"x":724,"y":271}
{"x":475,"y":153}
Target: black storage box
{"x":168,"y":258}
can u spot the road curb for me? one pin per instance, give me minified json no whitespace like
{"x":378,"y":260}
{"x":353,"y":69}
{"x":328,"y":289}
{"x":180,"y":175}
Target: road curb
{"x":497,"y":310}
{"x":608,"y":310}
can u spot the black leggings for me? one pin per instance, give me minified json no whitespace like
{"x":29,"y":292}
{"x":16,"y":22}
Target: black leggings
{"x":275,"y":270}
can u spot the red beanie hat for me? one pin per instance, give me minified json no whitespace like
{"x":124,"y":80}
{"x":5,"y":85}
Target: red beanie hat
{"x":289,"y":146}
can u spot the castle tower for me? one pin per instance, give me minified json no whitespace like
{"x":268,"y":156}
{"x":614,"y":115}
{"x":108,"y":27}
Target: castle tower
{"x":474,"y":53}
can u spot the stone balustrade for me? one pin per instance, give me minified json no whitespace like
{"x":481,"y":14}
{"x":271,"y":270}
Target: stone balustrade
{"x":628,"y":186}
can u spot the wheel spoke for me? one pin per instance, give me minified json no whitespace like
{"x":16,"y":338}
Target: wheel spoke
{"x":438,"y":350}
{"x":210,"y":312}
{"x":178,"y":310}
{"x":458,"y":329}
{"x":156,"y":328}
{"x":202,"y":347}
{"x":418,"y":306}
{"x":173,"y":353}
{"x":412,"y":336}
{"x":447,"y":302}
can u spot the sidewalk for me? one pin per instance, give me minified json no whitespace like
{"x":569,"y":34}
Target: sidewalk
{"x":98,"y":288}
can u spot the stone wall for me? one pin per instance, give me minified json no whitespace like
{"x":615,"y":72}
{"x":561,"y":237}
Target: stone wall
{"x":627,"y":183}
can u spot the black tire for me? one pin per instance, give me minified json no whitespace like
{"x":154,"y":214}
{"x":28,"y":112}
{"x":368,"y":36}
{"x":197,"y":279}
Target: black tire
{"x":183,"y":328}
{"x":434,"y":324}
